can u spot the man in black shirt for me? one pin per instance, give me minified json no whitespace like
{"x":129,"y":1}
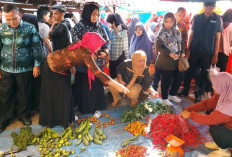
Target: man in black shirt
{"x":203,"y":48}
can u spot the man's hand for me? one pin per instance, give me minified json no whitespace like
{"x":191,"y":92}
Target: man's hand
{"x":102,"y":55}
{"x":185,"y":114}
{"x":214,"y":59}
{"x":36,"y":71}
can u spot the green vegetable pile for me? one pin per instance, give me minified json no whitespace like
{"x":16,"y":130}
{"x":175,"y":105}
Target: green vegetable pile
{"x":23,"y":139}
{"x":139,"y":111}
{"x":51,"y":143}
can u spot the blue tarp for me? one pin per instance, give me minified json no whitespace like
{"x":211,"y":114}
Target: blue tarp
{"x":116,"y":134}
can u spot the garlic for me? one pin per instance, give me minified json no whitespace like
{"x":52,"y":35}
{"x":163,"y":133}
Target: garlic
{"x":148,"y":108}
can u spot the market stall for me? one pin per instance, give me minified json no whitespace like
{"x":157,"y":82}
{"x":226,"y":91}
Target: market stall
{"x":122,"y":126}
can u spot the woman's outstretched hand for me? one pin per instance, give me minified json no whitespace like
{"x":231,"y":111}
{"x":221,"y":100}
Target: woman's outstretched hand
{"x":118,"y":86}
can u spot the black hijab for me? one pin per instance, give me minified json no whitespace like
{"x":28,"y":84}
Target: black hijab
{"x":116,"y":19}
{"x":87,"y":12}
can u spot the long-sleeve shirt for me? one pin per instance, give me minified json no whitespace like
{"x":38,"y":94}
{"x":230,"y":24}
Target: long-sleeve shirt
{"x":164,"y":61}
{"x":60,"y":35}
{"x":61,"y":60}
{"x":214,"y":118}
{"x":77,"y":33}
{"x":20,"y":48}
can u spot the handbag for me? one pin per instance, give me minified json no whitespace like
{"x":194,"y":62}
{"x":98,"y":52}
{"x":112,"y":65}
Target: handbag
{"x":183,"y":64}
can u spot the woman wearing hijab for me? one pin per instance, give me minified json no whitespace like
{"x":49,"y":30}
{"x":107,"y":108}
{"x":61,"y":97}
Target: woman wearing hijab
{"x":135,"y":76}
{"x":226,"y":41}
{"x":59,"y":62}
{"x":169,"y":48}
{"x":131,"y":27}
{"x":119,"y":42}
{"x":140,"y":41}
{"x":81,"y":53}
{"x":89,"y":101}
{"x":220,"y":119}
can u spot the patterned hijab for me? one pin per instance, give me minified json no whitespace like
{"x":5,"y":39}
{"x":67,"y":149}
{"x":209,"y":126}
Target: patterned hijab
{"x":141,"y":43}
{"x":171,"y":38}
{"x":91,"y":41}
{"x":137,"y":70}
{"x":222,"y":83}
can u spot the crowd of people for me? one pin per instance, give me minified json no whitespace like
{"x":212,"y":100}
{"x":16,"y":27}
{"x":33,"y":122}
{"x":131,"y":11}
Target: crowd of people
{"x":40,"y":54}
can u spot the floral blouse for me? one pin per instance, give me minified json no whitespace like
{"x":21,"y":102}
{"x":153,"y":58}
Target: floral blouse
{"x":61,"y":60}
{"x":77,"y":33}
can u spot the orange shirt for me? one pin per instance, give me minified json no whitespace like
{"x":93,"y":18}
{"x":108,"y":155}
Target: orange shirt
{"x":214,"y":118}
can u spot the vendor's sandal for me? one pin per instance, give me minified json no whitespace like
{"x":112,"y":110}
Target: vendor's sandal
{"x":220,"y":153}
{"x":114,"y":103}
{"x":134,"y":102}
{"x":211,"y":145}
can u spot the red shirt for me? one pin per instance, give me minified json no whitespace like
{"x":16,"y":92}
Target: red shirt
{"x":214,"y":118}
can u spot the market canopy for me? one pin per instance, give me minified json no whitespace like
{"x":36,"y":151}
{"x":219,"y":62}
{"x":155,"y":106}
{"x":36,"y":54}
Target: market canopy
{"x":195,"y":0}
{"x":100,"y":2}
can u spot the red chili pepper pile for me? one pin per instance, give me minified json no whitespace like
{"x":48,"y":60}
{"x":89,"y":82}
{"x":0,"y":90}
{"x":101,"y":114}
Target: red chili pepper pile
{"x":167,"y":124}
{"x":132,"y":151}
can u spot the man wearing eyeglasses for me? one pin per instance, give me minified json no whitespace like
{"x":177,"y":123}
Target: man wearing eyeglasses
{"x":20,"y":58}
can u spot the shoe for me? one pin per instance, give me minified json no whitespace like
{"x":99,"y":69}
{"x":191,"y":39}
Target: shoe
{"x":182,"y":94}
{"x":25,"y":121}
{"x":220,"y":153}
{"x":211,"y":145}
{"x":197,"y":98}
{"x":166,"y":102}
{"x":174,"y":98}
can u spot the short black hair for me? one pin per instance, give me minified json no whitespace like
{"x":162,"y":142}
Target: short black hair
{"x":0,"y":9}
{"x":9,"y":7}
{"x":212,"y":4}
{"x":43,"y":10}
{"x":181,"y":9}
{"x":60,"y":8}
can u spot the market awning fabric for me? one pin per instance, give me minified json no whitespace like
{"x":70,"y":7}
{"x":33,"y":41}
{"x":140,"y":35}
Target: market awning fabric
{"x":101,"y":2}
{"x":194,"y":0}
{"x":109,"y":2}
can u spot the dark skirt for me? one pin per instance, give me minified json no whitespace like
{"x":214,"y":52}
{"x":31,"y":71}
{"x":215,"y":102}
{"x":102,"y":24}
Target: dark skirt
{"x":56,"y":101}
{"x":222,"y":136}
{"x":88,"y":101}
